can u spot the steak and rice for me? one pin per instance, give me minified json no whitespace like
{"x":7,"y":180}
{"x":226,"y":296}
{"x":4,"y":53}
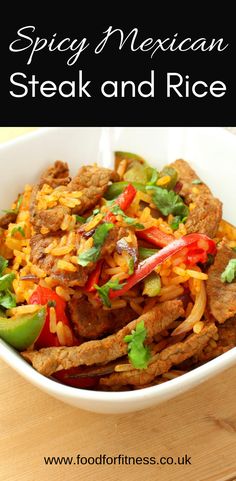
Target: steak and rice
{"x":117,"y":279}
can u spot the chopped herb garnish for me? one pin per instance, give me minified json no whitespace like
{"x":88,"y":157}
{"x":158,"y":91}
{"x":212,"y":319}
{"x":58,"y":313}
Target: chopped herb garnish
{"x":168,"y":202}
{"x":115,"y":209}
{"x":19,"y":229}
{"x":101,"y":232}
{"x":176,"y":221}
{"x":138,"y":354}
{"x":7,"y":298}
{"x":234,"y":249}
{"x":131,"y":266}
{"x":80,"y":219}
{"x":229,"y":273}
{"x":3,"y":265}
{"x":17,"y":208}
{"x":99,"y":237}
{"x":103,"y":291}
{"x":6,"y":281}
{"x":19,"y":202}
{"x":52,"y":303}
{"x":196,"y":181}
{"x":91,"y":255}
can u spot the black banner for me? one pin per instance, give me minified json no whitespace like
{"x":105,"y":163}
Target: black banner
{"x":106,"y":67}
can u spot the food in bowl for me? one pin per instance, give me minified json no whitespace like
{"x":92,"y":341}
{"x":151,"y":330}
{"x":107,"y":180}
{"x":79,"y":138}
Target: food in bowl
{"x":117,"y":280}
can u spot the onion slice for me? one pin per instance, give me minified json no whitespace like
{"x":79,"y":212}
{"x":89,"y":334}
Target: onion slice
{"x":196,"y":313}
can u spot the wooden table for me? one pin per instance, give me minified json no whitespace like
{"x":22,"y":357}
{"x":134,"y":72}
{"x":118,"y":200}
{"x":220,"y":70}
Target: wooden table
{"x":201,"y":424}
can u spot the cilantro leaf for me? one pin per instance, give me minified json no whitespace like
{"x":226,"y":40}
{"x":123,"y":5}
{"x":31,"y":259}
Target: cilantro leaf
{"x":6,"y":281}
{"x":19,"y":229}
{"x":18,"y":204}
{"x":9,"y":211}
{"x":16,"y":210}
{"x":115,"y":209}
{"x":91,"y":255}
{"x":8,"y":299}
{"x":80,"y":219}
{"x":196,"y":181}
{"x":103,"y":291}
{"x":138,"y":354}
{"x":101,"y":232}
{"x":176,"y":221}
{"x":3,"y":265}
{"x":229,"y":273}
{"x":168,"y":202}
{"x":99,"y":237}
{"x":233,"y":249}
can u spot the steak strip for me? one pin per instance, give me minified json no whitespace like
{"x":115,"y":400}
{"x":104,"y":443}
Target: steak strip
{"x":167,"y":358}
{"x":52,"y":359}
{"x":226,"y":341}
{"x":221,"y":295}
{"x":207,"y":212}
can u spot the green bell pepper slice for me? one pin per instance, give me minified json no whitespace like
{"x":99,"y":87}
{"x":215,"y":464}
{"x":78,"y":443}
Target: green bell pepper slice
{"x":136,"y":171}
{"x":21,"y":331}
{"x":152,"y":285}
{"x":117,"y":188}
{"x":119,"y":155}
{"x":145,"y":252}
{"x":172,"y":173}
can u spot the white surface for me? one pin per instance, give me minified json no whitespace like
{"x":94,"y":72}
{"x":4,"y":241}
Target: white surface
{"x":212,"y":151}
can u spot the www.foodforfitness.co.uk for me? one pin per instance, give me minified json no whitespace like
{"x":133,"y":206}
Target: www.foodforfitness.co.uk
{"x":119,"y":460}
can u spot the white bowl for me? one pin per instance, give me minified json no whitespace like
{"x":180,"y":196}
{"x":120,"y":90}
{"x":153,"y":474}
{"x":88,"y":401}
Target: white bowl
{"x":212,"y":151}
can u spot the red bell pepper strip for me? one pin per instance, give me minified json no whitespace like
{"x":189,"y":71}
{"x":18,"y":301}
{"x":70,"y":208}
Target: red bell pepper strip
{"x":69,"y":377}
{"x":43,"y":296}
{"x":124,"y":200}
{"x":155,"y":236}
{"x":94,"y":277}
{"x":126,"y":197}
{"x":144,"y":268}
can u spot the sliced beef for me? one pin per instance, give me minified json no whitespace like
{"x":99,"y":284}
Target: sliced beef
{"x":221,"y":295}
{"x":92,"y":181}
{"x":7,"y":219}
{"x":226,"y":341}
{"x":49,"y":360}
{"x":206,"y":216}
{"x":51,"y":218}
{"x":92,"y":323}
{"x":167,"y":358}
{"x":207,"y":212}
{"x":55,"y":175}
{"x":186,"y":175}
{"x":48,"y":263}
